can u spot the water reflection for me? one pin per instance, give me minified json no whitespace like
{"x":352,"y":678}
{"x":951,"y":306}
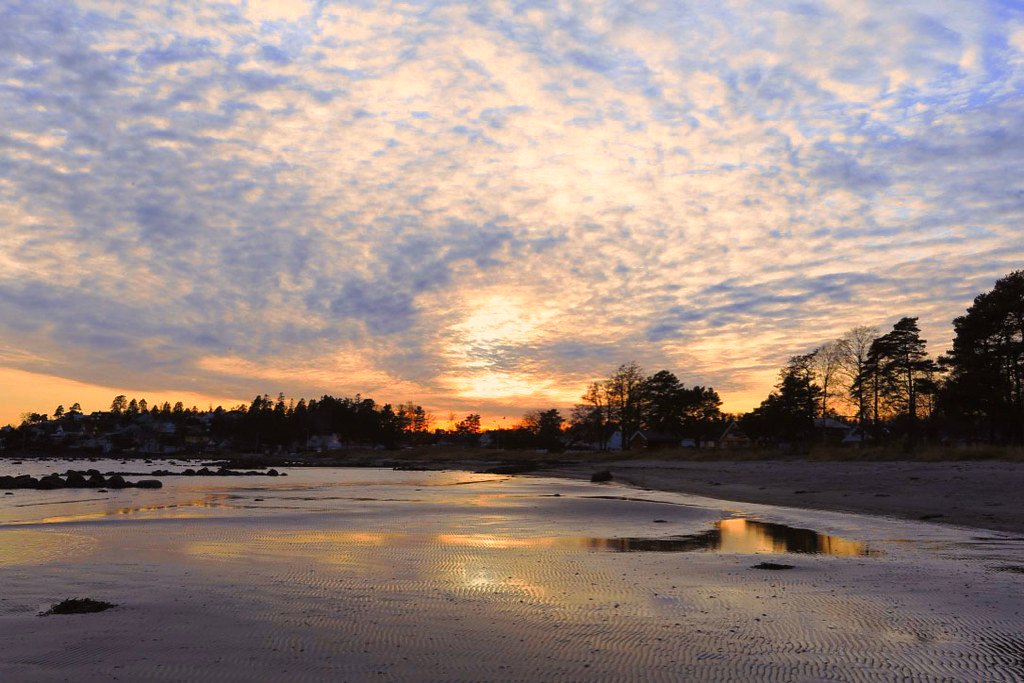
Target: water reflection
{"x":18,"y":547}
{"x":741,"y":536}
{"x":182,"y":510}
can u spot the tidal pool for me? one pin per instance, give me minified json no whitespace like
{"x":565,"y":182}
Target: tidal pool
{"x":345,"y":574}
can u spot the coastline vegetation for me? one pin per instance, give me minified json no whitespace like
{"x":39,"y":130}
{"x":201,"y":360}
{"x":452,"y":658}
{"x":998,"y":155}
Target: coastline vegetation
{"x":866,"y":395}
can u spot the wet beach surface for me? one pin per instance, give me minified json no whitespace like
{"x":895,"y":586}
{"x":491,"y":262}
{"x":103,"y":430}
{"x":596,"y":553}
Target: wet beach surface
{"x":342,"y":574}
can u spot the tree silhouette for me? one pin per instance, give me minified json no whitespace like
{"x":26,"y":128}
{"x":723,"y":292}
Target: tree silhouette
{"x":546,"y":428}
{"x":119,"y":404}
{"x":788,"y":413}
{"x":590,"y":419}
{"x":853,"y":363}
{"x":905,"y":371}
{"x":469,"y":425}
{"x":984,"y":392}
{"x":624,"y":391}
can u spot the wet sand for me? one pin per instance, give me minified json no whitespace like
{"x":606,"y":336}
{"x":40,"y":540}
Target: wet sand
{"x":980,"y":494}
{"x":376,"y":575}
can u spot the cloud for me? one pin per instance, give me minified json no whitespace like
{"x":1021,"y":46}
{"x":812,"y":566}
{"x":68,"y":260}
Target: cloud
{"x":492,"y":204}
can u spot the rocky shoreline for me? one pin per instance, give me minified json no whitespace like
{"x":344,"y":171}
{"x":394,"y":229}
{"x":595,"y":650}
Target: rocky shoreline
{"x":94,"y":479}
{"x":75,"y":479}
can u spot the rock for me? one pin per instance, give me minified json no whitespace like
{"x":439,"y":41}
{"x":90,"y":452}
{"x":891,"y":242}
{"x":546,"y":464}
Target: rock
{"x":24,"y":481}
{"x":116,"y":481}
{"x":75,"y":480}
{"x":603,"y":475}
{"x":772,"y":566}
{"x":149,"y":484}
{"x":50,"y":482}
{"x":96,"y":481}
{"x":273,"y":473}
{"x":189,"y":472}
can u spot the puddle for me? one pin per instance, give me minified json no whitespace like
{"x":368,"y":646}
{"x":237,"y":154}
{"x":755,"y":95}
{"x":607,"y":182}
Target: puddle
{"x":741,"y":536}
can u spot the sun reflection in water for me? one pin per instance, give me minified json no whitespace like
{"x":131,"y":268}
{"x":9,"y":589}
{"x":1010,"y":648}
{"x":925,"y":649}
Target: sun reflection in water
{"x":741,"y":535}
{"x":495,"y":542}
{"x":22,"y":546}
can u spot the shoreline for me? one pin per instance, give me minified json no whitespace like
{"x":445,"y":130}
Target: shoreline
{"x":982,"y":494}
{"x":976,"y":494}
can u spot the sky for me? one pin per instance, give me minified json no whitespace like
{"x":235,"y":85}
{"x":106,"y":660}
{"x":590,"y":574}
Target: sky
{"x":483,"y":206}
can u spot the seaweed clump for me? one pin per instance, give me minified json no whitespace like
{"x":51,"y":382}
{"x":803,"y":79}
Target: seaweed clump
{"x":79,"y":606}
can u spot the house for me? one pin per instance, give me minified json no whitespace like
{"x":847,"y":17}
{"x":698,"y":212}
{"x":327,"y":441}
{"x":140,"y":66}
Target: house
{"x":324,"y":442}
{"x":855,"y":437}
{"x":649,"y":439}
{"x":733,"y":437}
{"x":830,"y":430}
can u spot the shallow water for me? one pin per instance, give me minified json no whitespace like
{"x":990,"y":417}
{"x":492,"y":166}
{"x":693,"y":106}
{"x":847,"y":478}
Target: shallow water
{"x":347,"y":574}
{"x":357,"y":491}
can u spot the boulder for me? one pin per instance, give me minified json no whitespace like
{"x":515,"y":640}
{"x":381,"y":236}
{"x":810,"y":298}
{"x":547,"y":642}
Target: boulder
{"x":51,"y":481}
{"x":75,"y":480}
{"x":24,"y":481}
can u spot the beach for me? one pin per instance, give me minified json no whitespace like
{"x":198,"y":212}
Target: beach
{"x":372,"y":574}
{"x":984,"y":494}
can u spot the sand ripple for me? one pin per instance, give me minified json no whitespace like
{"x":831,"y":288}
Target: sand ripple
{"x":484,"y":596}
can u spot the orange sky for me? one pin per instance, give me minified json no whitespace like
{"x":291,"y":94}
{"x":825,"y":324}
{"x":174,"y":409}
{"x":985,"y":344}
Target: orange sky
{"x":22,"y":392}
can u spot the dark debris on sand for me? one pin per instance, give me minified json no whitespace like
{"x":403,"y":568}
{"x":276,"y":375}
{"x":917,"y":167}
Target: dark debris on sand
{"x":774,"y":566}
{"x":78,"y":606}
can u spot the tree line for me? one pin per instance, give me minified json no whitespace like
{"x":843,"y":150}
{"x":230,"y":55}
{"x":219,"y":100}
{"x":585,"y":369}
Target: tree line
{"x":629,"y":401}
{"x":890,"y":387}
{"x":883,"y":383}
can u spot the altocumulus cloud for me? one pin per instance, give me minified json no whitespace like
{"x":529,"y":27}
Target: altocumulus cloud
{"x":488,"y":204}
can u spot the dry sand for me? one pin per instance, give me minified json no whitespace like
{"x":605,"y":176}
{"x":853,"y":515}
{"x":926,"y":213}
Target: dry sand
{"x":980,"y":494}
{"x":368,"y":575}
